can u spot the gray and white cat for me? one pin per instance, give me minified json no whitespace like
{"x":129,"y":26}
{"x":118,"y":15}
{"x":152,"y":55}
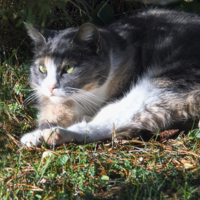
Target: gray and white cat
{"x":141,"y":74}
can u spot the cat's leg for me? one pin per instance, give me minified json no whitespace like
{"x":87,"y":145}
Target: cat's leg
{"x":54,"y":135}
{"x":50,"y":133}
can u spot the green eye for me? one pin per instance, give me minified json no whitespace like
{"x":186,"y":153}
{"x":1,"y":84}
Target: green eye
{"x":43,"y":69}
{"x":68,"y":69}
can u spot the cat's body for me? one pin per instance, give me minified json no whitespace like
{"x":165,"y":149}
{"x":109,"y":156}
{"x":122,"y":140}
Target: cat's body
{"x":140,"y":74}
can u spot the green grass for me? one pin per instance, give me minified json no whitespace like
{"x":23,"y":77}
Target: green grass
{"x":134,"y":169}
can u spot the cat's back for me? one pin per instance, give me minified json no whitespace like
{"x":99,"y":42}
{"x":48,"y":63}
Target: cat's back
{"x":152,"y":24}
{"x":155,"y":18}
{"x":161,"y":35}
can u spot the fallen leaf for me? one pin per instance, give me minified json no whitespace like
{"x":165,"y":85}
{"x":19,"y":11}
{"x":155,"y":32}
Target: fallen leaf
{"x":167,"y":134}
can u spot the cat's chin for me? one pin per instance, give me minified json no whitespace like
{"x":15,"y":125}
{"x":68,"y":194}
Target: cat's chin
{"x":57,"y":99}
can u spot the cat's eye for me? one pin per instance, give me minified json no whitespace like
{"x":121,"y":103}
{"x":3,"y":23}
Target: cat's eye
{"x":43,"y":69}
{"x":68,"y":69}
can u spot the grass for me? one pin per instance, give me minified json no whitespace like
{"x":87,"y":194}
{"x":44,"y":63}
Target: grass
{"x":125,"y":170}
{"x":134,"y":169}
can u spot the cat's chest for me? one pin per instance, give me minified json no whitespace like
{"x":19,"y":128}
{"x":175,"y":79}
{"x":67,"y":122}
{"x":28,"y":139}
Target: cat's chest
{"x":60,"y":114}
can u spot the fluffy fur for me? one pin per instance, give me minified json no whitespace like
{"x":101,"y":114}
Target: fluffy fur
{"x":141,"y":73}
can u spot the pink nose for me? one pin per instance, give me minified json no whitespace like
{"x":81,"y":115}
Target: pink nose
{"x":51,"y":88}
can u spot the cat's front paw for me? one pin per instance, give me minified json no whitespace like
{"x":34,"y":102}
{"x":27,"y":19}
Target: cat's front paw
{"x":55,"y":136}
{"x":32,"y":139}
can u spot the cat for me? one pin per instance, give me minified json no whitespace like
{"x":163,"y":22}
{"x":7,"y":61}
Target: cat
{"x":139,"y":74}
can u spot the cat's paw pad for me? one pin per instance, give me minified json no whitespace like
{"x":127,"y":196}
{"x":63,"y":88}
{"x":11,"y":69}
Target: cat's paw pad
{"x":53,"y":136}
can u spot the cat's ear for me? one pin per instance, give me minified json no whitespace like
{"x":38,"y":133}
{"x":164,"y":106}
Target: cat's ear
{"x":88,"y":33}
{"x":36,"y":36}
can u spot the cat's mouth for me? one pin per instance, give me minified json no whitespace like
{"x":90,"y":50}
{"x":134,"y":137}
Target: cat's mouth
{"x":57,"y":99}
{"x":57,"y":94}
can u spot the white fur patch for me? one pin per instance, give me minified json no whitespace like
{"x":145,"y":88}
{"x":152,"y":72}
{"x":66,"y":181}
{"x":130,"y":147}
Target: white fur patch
{"x":50,"y":79}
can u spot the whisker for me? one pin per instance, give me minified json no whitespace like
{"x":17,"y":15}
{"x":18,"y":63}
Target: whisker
{"x":75,"y":100}
{"x":89,"y":94}
{"x":30,"y":99}
{"x":86,"y":105}
{"x":82,"y":104}
{"x":92,"y":95}
{"x":89,"y":100}
{"x":32,"y":89}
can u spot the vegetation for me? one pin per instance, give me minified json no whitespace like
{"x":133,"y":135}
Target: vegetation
{"x":135,"y":169}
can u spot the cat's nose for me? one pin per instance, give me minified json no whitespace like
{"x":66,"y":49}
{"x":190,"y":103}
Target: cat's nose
{"x":51,"y":87}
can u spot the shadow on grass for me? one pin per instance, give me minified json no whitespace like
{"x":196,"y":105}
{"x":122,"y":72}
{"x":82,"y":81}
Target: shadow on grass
{"x":146,"y":185}
{"x":177,"y":185}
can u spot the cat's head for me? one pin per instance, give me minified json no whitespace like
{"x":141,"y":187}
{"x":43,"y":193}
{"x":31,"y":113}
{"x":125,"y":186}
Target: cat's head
{"x":67,"y":63}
